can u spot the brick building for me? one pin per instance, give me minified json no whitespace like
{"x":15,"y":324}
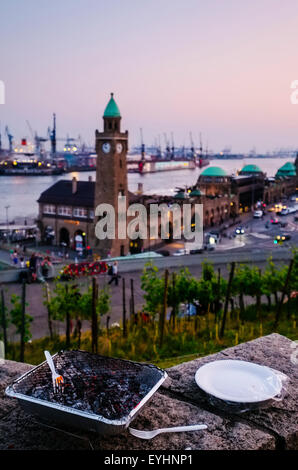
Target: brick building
{"x":67,"y":209}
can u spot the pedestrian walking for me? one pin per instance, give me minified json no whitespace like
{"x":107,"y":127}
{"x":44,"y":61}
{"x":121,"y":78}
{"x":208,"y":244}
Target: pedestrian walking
{"x":15,"y":258}
{"x":33,"y":266}
{"x":115,"y":275}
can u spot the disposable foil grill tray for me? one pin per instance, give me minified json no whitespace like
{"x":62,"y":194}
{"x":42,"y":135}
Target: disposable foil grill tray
{"x":101,"y":394}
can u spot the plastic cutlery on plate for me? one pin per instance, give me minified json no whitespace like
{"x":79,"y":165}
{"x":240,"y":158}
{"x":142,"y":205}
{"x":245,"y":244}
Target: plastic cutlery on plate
{"x":151,"y":434}
{"x":58,"y":382}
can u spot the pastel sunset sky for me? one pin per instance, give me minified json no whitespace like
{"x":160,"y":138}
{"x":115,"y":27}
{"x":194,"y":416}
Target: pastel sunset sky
{"x":220,"y":67}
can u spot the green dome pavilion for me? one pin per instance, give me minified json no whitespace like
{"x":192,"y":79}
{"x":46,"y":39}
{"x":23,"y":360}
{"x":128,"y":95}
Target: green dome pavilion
{"x":288,"y":169}
{"x":180,"y":195}
{"x":251,"y":169}
{"x":195,"y":193}
{"x":214,"y":171}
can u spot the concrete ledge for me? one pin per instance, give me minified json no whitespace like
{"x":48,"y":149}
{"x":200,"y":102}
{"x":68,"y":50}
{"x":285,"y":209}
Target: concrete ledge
{"x":10,"y":275}
{"x":178,"y":402}
{"x":274,"y":351}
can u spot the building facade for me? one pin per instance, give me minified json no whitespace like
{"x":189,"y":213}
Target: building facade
{"x":67,"y":210}
{"x":111,"y":177}
{"x":66,"y":214}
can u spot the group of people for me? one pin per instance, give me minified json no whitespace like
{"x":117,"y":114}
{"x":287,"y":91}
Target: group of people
{"x":37,"y":268}
{"x":18,"y":256}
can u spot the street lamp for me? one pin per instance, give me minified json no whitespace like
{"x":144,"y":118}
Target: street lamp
{"x":7,"y":224}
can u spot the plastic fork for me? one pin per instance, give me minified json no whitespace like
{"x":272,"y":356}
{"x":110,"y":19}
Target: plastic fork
{"x":58,"y":382}
{"x":151,"y":434}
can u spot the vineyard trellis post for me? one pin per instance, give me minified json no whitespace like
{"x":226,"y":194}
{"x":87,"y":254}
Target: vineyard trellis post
{"x":3,"y":321}
{"x":284,"y":291}
{"x":222,"y":330}
{"x":163,"y":312}
{"x":22,"y":349}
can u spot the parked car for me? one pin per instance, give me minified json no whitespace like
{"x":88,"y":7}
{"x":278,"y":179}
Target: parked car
{"x":209,"y":246}
{"x":283,"y":224}
{"x":239,"y":231}
{"x":285,"y":211}
{"x":195,"y":251}
{"x":181,"y":252}
{"x":163,"y":252}
{"x":282,"y":238}
{"x":214,"y":235}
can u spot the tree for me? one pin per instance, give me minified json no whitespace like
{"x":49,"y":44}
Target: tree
{"x":64,"y":305}
{"x":47,"y":303}
{"x":19,"y":320}
{"x":4,"y":320}
{"x":239,"y":285}
{"x":85,"y":304}
{"x":273,"y":279}
{"x":104,"y":301}
{"x":153,"y":287}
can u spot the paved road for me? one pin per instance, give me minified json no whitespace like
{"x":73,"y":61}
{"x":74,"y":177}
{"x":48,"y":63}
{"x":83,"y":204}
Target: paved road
{"x":255,"y":246}
{"x":35,"y":295}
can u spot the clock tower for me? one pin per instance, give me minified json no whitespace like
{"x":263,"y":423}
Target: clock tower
{"x":111,"y":175}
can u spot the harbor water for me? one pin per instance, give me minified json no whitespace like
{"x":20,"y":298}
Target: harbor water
{"x":20,"y":193}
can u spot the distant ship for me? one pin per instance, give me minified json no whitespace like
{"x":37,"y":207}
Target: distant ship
{"x":171,"y":159}
{"x":28,"y":166}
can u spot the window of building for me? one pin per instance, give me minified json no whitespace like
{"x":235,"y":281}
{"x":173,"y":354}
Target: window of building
{"x":80,"y":212}
{"x":49,"y":209}
{"x":91,"y":214}
{"x":65,"y":210}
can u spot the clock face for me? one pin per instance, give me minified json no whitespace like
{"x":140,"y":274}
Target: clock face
{"x":106,"y":147}
{"x":119,"y":148}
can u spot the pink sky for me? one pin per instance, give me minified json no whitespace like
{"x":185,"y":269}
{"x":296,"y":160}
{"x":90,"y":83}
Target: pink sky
{"x":220,"y":67}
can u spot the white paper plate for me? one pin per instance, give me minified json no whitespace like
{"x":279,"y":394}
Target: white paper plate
{"x":238,"y":381}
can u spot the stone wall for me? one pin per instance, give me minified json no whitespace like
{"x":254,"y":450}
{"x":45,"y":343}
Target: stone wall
{"x":178,"y":402}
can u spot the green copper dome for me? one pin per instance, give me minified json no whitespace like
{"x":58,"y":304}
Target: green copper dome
{"x":251,"y":169}
{"x":195,"y":192}
{"x":288,"y":169}
{"x":289,"y":166}
{"x":112,"y":109}
{"x":214,"y":171}
{"x":180,"y":195}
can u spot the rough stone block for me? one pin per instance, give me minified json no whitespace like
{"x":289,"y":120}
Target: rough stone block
{"x":280,"y":418}
{"x":161,"y":411}
{"x":9,"y":370}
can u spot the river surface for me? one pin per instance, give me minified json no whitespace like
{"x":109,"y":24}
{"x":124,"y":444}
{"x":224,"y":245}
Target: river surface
{"x":20,"y":193}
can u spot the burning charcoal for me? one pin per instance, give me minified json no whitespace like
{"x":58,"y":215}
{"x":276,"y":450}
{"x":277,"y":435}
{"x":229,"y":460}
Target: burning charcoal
{"x":38,"y":392}
{"x":95,"y":384}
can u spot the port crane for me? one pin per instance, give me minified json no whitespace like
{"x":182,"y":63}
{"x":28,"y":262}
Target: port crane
{"x":37,"y":140}
{"x":54,"y":139}
{"x":168,"y":150}
{"x":52,"y":136}
{"x":192,"y":147}
{"x":173,"y":147}
{"x":142,"y":146}
{"x":10,"y":139}
{"x":159,"y":153}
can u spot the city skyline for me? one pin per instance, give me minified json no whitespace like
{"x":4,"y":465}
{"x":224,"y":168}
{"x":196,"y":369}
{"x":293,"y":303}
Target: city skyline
{"x":217,"y":68}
